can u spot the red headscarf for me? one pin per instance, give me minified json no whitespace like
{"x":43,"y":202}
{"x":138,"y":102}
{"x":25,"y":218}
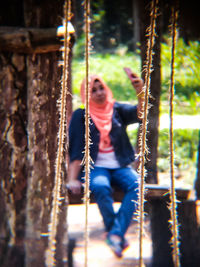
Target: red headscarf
{"x":101,"y":114}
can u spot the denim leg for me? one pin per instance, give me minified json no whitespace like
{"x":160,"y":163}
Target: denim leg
{"x":127,"y":179}
{"x":101,"y":188}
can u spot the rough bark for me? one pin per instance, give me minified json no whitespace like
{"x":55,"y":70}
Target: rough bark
{"x":43,"y":92}
{"x":13,"y":153}
{"x":29,"y":90}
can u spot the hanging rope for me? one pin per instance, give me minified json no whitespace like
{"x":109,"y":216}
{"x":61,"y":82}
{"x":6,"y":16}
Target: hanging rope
{"x":142,"y":139}
{"x":50,"y":252}
{"x":173,"y":206}
{"x":87,"y":159}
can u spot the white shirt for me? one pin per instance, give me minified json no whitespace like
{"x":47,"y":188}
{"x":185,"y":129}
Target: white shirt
{"x":106,"y":158}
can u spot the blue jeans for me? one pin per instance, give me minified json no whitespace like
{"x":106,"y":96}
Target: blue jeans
{"x":101,"y":181}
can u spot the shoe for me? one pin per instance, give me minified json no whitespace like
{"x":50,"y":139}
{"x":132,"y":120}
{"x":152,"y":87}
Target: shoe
{"x":115,"y":246}
{"x":124,"y":244}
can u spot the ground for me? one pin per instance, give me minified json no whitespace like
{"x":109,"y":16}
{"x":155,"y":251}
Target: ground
{"x":99,"y":254}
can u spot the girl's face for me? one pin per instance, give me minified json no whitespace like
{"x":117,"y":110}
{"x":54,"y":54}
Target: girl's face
{"x":98,"y":93}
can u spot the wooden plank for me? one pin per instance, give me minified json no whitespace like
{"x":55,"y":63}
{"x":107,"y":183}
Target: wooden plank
{"x":153,"y":191}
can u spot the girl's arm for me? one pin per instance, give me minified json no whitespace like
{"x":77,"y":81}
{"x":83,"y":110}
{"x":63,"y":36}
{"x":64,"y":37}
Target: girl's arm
{"x":138,"y":85}
{"x":73,"y":183}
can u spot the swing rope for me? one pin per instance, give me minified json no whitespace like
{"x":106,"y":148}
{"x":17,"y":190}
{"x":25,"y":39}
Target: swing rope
{"x":142,"y":139}
{"x":173,"y":206}
{"x":87,"y":158}
{"x":50,"y":252}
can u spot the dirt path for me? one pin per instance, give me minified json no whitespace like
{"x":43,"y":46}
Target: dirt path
{"x":99,"y":254}
{"x":179,"y":122}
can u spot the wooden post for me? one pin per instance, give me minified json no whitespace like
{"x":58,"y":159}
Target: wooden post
{"x":188,"y":230}
{"x":159,"y":216}
{"x":188,"y":214}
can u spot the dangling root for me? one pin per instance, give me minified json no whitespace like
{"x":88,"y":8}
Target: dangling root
{"x":87,"y":158}
{"x":50,"y":252}
{"x":173,"y":203}
{"x":142,"y":139}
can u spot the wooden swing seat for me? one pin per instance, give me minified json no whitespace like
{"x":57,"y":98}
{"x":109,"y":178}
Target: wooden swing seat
{"x":153,"y":191}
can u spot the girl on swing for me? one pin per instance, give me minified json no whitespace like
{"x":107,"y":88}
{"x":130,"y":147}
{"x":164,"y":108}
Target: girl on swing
{"x":111,"y":153}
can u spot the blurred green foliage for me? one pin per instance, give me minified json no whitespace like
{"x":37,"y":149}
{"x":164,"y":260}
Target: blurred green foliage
{"x":110,"y":67}
{"x":185,"y":145}
{"x":185,"y":151}
{"x":187,"y":78}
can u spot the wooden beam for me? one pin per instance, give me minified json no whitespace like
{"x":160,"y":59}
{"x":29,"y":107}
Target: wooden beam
{"x":30,"y":40}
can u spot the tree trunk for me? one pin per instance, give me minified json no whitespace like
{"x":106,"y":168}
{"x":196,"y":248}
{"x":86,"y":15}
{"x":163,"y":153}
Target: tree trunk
{"x":30,"y":89}
{"x":43,"y":93}
{"x":13,"y":154}
{"x":136,"y":25}
{"x":13,"y":147}
{"x":155,"y":89}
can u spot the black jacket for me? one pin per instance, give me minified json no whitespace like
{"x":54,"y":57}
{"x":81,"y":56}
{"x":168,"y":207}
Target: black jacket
{"x":123,"y":115}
